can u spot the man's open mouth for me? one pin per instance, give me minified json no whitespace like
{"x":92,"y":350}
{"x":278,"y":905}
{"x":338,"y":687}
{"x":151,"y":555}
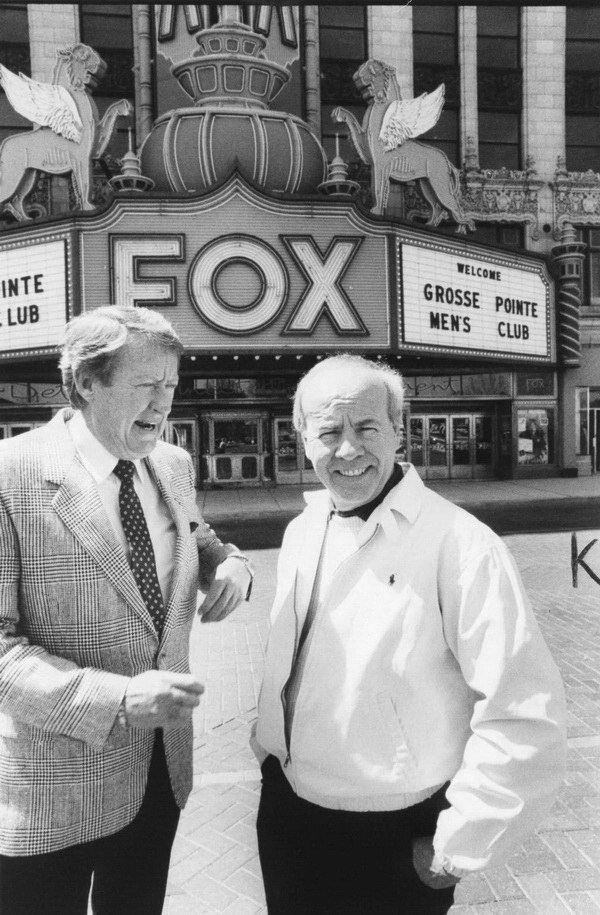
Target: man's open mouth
{"x":353,"y":473}
{"x":148,"y":427}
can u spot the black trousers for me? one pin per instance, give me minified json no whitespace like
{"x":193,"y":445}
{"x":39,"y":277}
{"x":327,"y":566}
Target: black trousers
{"x":317,"y":861}
{"x":129,"y":868}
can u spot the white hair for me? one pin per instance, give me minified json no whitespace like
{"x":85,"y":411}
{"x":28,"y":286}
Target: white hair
{"x":389,"y":377}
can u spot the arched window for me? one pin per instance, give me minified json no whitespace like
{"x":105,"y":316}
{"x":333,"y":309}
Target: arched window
{"x":582,"y":88}
{"x":14,"y":54}
{"x":435,"y":61}
{"x":499,"y":86}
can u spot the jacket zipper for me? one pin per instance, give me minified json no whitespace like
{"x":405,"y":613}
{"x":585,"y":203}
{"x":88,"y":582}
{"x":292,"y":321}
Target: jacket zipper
{"x":288,"y":731}
{"x":287,"y":735}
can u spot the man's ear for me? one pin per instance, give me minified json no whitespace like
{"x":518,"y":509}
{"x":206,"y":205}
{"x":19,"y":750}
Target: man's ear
{"x":84,"y":385}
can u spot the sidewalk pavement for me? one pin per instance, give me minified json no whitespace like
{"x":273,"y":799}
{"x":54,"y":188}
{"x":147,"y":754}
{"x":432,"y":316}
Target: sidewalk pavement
{"x":215,"y":867}
{"x":247,"y":502}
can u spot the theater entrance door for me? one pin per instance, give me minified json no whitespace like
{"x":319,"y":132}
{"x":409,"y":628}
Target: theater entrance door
{"x":453,"y":446}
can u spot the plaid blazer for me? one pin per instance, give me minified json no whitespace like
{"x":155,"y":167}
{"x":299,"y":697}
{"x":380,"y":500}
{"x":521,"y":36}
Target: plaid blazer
{"x":73,"y":630}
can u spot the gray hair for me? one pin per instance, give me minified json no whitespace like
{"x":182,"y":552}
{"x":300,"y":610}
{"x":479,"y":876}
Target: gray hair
{"x":93,"y":339}
{"x":389,"y":377}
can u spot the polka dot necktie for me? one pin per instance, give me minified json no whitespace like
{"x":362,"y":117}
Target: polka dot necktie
{"x":143,"y":564}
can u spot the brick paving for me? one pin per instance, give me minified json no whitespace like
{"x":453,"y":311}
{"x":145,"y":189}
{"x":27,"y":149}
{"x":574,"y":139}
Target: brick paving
{"x":215,"y":865}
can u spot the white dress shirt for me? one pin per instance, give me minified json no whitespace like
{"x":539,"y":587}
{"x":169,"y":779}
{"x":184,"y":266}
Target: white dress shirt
{"x":101,"y":463}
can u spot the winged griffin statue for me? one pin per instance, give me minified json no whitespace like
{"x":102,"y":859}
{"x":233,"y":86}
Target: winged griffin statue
{"x":67,"y":134}
{"x":385,"y":141}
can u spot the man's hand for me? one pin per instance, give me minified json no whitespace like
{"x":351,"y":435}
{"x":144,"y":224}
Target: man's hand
{"x":422,"y":859}
{"x":161,"y":699}
{"x":227,"y":590}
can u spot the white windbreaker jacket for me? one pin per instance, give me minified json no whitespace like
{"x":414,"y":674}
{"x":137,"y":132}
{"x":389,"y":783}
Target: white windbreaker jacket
{"x":425,"y":665}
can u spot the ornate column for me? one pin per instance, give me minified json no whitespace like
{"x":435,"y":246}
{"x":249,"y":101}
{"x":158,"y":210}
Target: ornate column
{"x":543,"y":116}
{"x":467,"y":55}
{"x":390,"y":37}
{"x":142,"y":47}
{"x":543,"y":41}
{"x":312,"y":85}
{"x":567,"y":259}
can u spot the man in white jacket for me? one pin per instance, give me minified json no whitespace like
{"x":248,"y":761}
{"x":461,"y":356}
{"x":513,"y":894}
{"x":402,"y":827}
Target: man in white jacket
{"x":411,"y":720}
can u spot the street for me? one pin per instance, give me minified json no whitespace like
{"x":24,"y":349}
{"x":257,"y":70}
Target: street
{"x":215,"y":865}
{"x":577,"y":514}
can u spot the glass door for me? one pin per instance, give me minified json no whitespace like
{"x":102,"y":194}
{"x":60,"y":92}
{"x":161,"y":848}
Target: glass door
{"x":483,"y":467}
{"x":460,"y":451}
{"x":455,"y":447}
{"x":437,"y":448}
{"x":287,"y":452}
{"x":291,"y":463}
{"x":236,"y":456}
{"x":417,"y":441}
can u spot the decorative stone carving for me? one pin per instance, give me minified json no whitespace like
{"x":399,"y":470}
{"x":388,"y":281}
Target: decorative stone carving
{"x":472,"y":195}
{"x":231,"y":125}
{"x":130,"y":177}
{"x":576,"y":198}
{"x":337,"y":183}
{"x":503,"y":195}
{"x":384,"y":141}
{"x":67,"y":133}
{"x":498,"y":196}
{"x":568,"y":258}
{"x":491,"y":195}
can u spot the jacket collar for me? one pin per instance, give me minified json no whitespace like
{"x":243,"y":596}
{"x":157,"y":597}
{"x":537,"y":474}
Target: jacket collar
{"x":404,"y":499}
{"x":60,"y":451}
{"x":78,"y":504}
{"x":92,"y":452}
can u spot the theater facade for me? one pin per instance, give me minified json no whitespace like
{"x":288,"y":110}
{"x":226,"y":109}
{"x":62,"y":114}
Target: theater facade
{"x":259,"y":287}
{"x":236,"y":222}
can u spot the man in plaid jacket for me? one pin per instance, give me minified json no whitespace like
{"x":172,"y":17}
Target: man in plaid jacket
{"x":96,"y":695}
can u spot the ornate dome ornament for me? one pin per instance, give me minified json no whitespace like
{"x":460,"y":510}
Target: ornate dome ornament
{"x":229,"y":69}
{"x":131,"y":178}
{"x":231,"y":125}
{"x":338,"y":184}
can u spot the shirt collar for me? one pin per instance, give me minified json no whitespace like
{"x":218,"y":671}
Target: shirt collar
{"x":404,"y":499}
{"x":94,"y":455}
{"x":365,"y":511}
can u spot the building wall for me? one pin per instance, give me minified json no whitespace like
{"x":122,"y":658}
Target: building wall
{"x":543,"y":109}
{"x":51,"y":26}
{"x":390,"y":39}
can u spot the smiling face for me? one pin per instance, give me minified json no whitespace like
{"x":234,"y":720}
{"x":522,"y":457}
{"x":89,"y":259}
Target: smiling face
{"x":128,"y":415}
{"x":349,"y":436}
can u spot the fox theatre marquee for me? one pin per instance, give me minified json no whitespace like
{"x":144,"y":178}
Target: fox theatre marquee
{"x":259,"y":286}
